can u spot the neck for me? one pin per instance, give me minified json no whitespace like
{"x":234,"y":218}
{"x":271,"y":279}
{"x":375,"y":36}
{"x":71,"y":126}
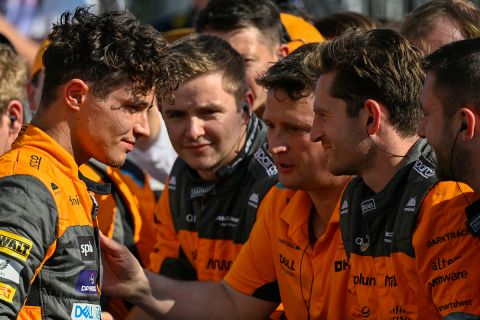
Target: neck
{"x":58,"y":130}
{"x":325,"y":200}
{"x":384,"y":166}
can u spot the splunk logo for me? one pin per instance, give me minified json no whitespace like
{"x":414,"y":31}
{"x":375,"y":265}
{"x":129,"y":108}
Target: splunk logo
{"x":363,"y":280}
{"x":86,"y":245}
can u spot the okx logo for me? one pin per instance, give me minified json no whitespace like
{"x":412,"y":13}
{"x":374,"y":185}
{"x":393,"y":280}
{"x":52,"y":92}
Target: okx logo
{"x":86,"y":311}
{"x":86,"y":246}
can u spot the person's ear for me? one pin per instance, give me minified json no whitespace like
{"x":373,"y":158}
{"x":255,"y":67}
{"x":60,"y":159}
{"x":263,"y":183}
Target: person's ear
{"x":75,"y":93}
{"x":282,"y":51}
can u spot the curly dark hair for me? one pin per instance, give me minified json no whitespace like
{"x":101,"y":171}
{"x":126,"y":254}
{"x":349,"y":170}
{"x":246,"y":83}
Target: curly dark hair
{"x":290,"y":75}
{"x":107,"y":52}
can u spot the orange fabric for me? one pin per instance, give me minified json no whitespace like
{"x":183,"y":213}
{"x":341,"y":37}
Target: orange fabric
{"x":279,"y":250}
{"x":55,"y":162}
{"x":30,"y":312}
{"x":139,"y":201}
{"x":37,"y":154}
{"x":444,"y":276}
{"x":300,"y":31}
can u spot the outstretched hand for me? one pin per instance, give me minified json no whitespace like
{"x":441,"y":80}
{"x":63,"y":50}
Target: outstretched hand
{"x":123,"y":276}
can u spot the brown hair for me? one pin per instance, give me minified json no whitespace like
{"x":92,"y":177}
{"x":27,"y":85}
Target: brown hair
{"x":378,"y":64}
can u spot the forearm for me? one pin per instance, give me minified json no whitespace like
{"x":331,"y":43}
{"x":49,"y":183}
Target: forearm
{"x":173,"y":299}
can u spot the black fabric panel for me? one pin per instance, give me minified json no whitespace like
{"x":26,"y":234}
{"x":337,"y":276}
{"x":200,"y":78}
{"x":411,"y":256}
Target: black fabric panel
{"x":269,"y":292}
{"x":180,"y":268}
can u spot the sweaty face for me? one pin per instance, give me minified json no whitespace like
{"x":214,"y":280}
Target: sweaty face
{"x":344,"y":139}
{"x":437,"y":129}
{"x":300,"y":162}
{"x":108,"y":128}
{"x":205,"y":126}
{"x":257,"y":54}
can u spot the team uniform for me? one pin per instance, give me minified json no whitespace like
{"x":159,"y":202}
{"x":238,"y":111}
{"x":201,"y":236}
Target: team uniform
{"x":278,"y":262}
{"x":411,"y":253}
{"x":50,"y":266}
{"x":203,"y":224}
{"x":125,"y":215}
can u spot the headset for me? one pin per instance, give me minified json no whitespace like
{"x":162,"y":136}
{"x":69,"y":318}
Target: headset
{"x":245,"y":108}
{"x":12,"y":118}
{"x":463,"y":127}
{"x":369,"y":121}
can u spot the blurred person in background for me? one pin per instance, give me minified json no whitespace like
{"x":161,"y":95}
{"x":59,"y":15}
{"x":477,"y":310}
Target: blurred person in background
{"x":439,"y":22}
{"x":13,"y":95}
{"x":336,"y":24}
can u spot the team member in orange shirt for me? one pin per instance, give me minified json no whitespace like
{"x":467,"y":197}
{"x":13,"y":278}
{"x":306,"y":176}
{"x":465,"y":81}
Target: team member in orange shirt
{"x":295,"y":248}
{"x":294,"y":254}
{"x":410,"y":253}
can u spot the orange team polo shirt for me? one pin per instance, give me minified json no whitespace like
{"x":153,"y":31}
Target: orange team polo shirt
{"x":279,"y":251}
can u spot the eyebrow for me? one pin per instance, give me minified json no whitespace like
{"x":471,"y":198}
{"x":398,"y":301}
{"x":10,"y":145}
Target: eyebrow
{"x":140,"y":103}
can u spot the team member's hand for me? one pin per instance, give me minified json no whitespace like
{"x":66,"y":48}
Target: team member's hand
{"x":123,"y":276}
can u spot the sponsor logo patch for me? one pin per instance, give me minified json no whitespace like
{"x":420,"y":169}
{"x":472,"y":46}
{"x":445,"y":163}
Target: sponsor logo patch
{"x":344,"y":208}
{"x":391,"y":281}
{"x":85,"y":311}
{"x":449,"y":277}
{"x":198,"y":192}
{"x":35,"y":161}
{"x":74,"y":201}
{"x":253,"y":200}
{"x":447,"y":237}
{"x":411,"y":204}
{"x":388,"y":236}
{"x":219,"y":264}
{"x":227,"y":221}
{"x":340,"y":265}
{"x":14,"y":245}
{"x":10,"y":269}
{"x":367,"y":205}
{"x":7,"y":292}
{"x":172,"y":183}
{"x":423,"y":170}
{"x":288,"y":264}
{"x":364,"y":280}
{"x":455,"y":304}
{"x":265,"y":162}
{"x":87,"y":282}
{"x":86,"y":246}
{"x":289,"y":243}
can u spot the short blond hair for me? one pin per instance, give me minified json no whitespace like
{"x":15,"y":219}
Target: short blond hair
{"x":13,"y":77}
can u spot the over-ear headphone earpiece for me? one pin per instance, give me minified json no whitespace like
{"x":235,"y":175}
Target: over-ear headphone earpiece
{"x":463,"y":126}
{"x":370,"y":120}
{"x":12,"y":118}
